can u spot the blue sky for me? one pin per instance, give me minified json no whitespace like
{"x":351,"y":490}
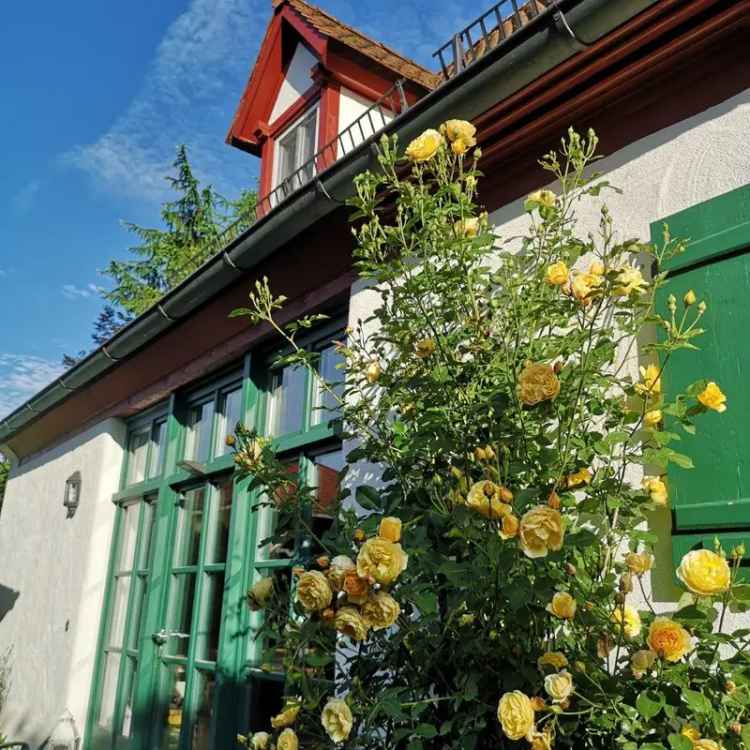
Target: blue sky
{"x":95,"y":98}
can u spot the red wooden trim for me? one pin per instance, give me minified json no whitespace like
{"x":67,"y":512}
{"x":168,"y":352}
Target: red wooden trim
{"x":291,"y":113}
{"x":317,"y":42}
{"x":265,"y":182}
{"x":328,"y":124}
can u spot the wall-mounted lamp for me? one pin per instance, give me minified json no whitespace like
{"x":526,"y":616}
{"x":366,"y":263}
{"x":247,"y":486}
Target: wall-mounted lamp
{"x":72,"y":493}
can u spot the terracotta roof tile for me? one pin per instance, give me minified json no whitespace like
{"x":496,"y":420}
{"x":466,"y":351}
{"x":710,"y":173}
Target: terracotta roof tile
{"x":329,"y":26}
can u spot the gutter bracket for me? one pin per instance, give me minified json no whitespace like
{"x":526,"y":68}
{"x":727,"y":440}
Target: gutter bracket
{"x":230,"y":262}
{"x":66,"y":387}
{"x":164,"y":313}
{"x":320,"y":188}
{"x":562,"y":25}
{"x":109,"y":356}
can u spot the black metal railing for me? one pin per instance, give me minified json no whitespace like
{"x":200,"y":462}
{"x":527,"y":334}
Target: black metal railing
{"x":367,"y":125}
{"x":486,"y":32}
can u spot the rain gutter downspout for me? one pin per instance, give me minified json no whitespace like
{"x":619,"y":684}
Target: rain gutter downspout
{"x":545,"y":42}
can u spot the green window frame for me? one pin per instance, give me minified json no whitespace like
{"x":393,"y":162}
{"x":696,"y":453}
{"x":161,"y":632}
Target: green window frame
{"x":178,"y":475}
{"x":713,"y":499}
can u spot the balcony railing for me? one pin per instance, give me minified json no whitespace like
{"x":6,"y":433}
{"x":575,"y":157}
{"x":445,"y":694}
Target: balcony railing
{"x":487,"y":32}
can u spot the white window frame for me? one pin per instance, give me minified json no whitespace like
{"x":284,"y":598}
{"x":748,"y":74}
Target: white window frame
{"x":313,"y":111}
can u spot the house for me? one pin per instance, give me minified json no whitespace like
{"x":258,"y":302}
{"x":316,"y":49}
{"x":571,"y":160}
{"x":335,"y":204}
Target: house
{"x":127,"y":542}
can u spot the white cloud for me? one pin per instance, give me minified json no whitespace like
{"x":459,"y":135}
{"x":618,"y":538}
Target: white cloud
{"x":23,"y":375}
{"x":73,"y":292}
{"x":23,"y":200}
{"x":189,"y":96}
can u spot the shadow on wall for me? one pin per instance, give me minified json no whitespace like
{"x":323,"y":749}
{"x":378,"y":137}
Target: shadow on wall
{"x":8,"y":597}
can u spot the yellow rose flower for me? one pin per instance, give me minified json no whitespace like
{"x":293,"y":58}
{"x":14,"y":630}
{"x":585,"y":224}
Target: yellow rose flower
{"x":509,"y":529}
{"x":629,"y":619}
{"x":314,"y":591}
{"x":651,"y":385}
{"x":541,"y":530}
{"x":260,"y":593}
{"x":712,"y":398}
{"x":425,"y":146}
{"x":349,"y":622}
{"x":357,"y":589}
{"x":583,"y":476}
{"x":390,"y":529}
{"x":337,"y":720}
{"x":536,"y":383}
{"x":669,"y":639}
{"x":639,"y":562}
{"x":373,"y":372}
{"x":485,"y":498}
{"x":381,"y":611}
{"x":382,"y":560}
{"x":459,"y":130}
{"x":563,"y":605}
{"x":424,"y":348}
{"x":629,"y":280}
{"x":657,"y":490}
{"x":584,"y":285}
{"x":260,"y":741}
{"x":467,"y":227}
{"x":691,"y":733}
{"x":557,"y":274}
{"x":554,"y":659}
{"x":287,"y":740}
{"x":338,"y":569}
{"x":705,"y":573}
{"x":705,"y":744}
{"x":559,"y":686}
{"x":539,"y":741}
{"x":540,"y":199}
{"x":287,"y":717}
{"x":515,"y":714}
{"x":641,"y":662}
{"x":459,"y":147}
{"x":596,"y":268}
{"x":652,"y":418}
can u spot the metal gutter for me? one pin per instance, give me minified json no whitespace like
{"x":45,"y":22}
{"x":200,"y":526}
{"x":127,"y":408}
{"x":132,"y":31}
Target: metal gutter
{"x":534,"y":50}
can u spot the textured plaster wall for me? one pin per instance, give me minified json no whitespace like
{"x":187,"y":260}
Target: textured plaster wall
{"x":296,"y":81}
{"x":673,"y":169}
{"x":352,"y":106}
{"x":56,"y":568}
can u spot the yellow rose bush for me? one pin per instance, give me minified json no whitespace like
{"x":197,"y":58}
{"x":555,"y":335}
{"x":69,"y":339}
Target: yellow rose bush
{"x":489,"y":587}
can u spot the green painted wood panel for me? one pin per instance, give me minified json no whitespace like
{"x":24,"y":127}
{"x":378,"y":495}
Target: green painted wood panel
{"x":716,"y":493}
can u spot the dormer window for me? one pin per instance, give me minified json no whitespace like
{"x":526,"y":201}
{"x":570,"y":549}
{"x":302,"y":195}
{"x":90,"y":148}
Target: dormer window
{"x":295,"y":150}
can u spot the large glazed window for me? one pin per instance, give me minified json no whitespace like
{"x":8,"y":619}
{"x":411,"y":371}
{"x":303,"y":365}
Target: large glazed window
{"x":295,"y":150}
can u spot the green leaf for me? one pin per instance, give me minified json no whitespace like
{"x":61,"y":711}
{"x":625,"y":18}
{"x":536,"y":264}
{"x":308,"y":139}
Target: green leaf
{"x":745,"y":735}
{"x":368,"y":497}
{"x":680,"y":742}
{"x":652,"y":746}
{"x":426,"y":730}
{"x":649,"y":703}
{"x":696,"y":701}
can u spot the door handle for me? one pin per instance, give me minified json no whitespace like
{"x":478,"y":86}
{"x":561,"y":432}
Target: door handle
{"x":164,"y":635}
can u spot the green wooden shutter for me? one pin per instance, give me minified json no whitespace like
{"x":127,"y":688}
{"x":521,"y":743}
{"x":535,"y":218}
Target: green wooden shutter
{"x":713,"y":499}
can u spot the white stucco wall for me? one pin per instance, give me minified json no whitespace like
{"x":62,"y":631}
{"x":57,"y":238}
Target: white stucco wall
{"x":668,"y":171}
{"x":57,"y":566}
{"x":352,"y":106}
{"x":296,"y":81}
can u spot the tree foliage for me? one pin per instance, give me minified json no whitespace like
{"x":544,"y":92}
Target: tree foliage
{"x":191,"y":227}
{"x":493,"y":387}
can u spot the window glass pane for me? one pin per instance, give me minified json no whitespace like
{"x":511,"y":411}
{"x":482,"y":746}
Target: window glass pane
{"x":326,"y":479}
{"x":286,"y":408}
{"x":205,"y":690}
{"x":190,"y":523}
{"x":287,"y":153}
{"x":325,"y":404}
{"x":207,"y":645}
{"x":198,"y":440}
{"x":128,"y":536}
{"x":267,"y":626}
{"x":129,"y":690}
{"x":147,"y":532}
{"x":174,"y":678}
{"x":158,"y":449}
{"x":138,"y":584}
{"x":138,"y":447}
{"x":119,"y":610}
{"x":109,"y":690}
{"x":218,"y":533}
{"x":182,"y":598}
{"x":306,"y":147}
{"x":230,"y":413}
